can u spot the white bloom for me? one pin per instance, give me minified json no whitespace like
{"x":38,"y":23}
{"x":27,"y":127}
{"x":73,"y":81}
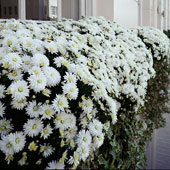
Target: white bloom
{"x":83,"y":151}
{"x":84,"y":138}
{"x":37,"y":82}
{"x":71,"y":90}
{"x":19,"y":104}
{"x":55,"y":165}
{"x":47,"y":111}
{"x":70,"y":78}
{"x":2,"y":109}
{"x":33,"y":109}
{"x":18,"y":141}
{"x":40,"y":60}
{"x":60,"y":103}
{"x":6,"y":146}
{"x":52,"y":75}
{"x":46,"y":131}
{"x":98,"y":140}
{"x":61,"y":121}
{"x":95,"y":127}
{"x":2,"y":91}
{"x":19,"y":90}
{"x":5,"y":126}
{"x":14,"y":60}
{"x":46,"y":150}
{"x":35,"y":70}
{"x":15,"y":75}
{"x":87,"y":105}
{"x":33,"y":127}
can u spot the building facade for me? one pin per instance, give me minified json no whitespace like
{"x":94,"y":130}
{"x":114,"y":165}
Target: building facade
{"x":29,"y":9}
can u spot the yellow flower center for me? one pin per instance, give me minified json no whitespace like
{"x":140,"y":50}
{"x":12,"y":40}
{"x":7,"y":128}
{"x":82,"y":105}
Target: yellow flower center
{"x":84,"y":139}
{"x":71,"y":89}
{"x":17,"y":140}
{"x":60,"y":103}
{"x":34,"y":126}
{"x":45,"y":131}
{"x":47,"y":111}
{"x":14,"y":73}
{"x":8,"y":145}
{"x":35,"y":108}
{"x":20,"y":89}
{"x":96,"y":127}
{"x":14,"y":59}
{"x":39,"y":81}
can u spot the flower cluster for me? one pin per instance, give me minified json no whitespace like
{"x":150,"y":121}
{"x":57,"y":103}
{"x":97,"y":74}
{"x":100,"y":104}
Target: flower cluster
{"x":62,"y":84}
{"x":156,"y":41}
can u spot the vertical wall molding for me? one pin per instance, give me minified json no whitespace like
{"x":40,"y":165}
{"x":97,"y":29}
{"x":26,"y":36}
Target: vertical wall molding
{"x":22,"y":9}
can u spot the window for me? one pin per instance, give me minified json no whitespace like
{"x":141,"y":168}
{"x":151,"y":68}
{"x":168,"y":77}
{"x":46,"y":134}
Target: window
{"x":4,"y":10}
{"x":53,"y":10}
{"x":10,"y":10}
{"x":16,"y":10}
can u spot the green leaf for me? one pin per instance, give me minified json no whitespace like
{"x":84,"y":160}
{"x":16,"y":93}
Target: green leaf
{"x":101,"y":160}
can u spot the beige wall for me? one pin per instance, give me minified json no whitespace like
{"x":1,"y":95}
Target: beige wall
{"x":104,"y":8}
{"x":126,"y":13}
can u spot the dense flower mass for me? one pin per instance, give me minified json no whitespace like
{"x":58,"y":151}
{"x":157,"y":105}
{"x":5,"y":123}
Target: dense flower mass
{"x":62,"y":84}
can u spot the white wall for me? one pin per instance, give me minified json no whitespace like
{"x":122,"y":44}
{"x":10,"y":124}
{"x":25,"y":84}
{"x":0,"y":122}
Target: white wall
{"x":126,"y":13}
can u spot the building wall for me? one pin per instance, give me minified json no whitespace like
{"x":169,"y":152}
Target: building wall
{"x":32,"y":9}
{"x":126,"y":13}
{"x":6,"y":4}
{"x":104,"y":8}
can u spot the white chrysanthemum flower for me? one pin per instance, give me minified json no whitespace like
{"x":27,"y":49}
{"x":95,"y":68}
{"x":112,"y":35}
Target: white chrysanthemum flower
{"x":5,"y":127}
{"x":52,"y":75}
{"x":2,"y":91}
{"x":87,"y":105}
{"x":37,"y":82}
{"x":98,"y":140}
{"x":70,"y":78}
{"x":40,"y":60}
{"x":46,"y":131}
{"x":33,"y":127}
{"x":2,"y":109}
{"x":6,"y":146}
{"x":70,"y":133}
{"x":52,"y":47}
{"x":26,"y":63}
{"x":55,"y":165}
{"x":71,"y":120}
{"x":14,"y":60}
{"x":19,"y":104}
{"x":47,"y":111}
{"x":18,"y":141}
{"x":46,"y":92}
{"x":75,"y":159}
{"x":59,"y":61}
{"x":83,"y":151}
{"x":15,"y":75}
{"x":33,"y":109}
{"x":95,"y":127}
{"x":19,"y":90}
{"x":71,"y":90}
{"x":46,"y":150}
{"x":60,"y":103}
{"x":35,"y":70}
{"x":61,"y":121}
{"x":84,"y":138}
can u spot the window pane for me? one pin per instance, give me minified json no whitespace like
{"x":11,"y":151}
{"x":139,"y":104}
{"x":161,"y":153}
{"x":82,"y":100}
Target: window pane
{"x":41,"y":9}
{"x":8,"y":9}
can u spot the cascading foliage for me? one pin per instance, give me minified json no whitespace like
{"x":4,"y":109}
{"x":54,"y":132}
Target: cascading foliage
{"x":62,"y":85}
